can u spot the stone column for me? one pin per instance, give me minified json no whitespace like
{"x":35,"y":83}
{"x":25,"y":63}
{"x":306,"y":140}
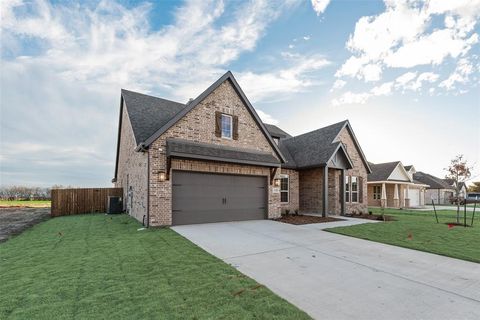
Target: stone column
{"x":383,"y":200}
{"x":396,"y":202}
{"x":407,"y":197}
{"x":325,"y":192}
{"x":342,"y":193}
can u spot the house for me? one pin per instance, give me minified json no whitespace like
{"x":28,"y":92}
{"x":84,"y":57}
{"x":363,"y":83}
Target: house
{"x":462,"y":190}
{"x":213,"y":159}
{"x":392,"y":185}
{"x":439,"y":190}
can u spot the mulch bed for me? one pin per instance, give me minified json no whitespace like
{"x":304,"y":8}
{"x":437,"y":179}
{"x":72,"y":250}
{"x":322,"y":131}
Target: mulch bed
{"x":303,"y":219}
{"x":376,"y":217}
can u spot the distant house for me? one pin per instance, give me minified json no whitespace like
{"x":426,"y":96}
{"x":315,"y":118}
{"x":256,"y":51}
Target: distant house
{"x":392,"y":185}
{"x":463,"y":187}
{"x":439,"y":190}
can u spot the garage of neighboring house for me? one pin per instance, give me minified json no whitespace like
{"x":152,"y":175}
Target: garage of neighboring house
{"x":199,"y":197}
{"x":414,"y":196}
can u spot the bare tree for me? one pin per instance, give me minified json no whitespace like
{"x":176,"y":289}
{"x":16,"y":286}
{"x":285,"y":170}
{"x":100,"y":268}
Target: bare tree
{"x":458,"y":172}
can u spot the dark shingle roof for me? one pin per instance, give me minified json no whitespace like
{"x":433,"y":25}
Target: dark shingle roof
{"x":381,"y":171}
{"x":408,"y":167}
{"x":148,"y":113}
{"x":276,"y":131}
{"x":196,"y":150}
{"x":432,"y":181}
{"x":313,"y":148}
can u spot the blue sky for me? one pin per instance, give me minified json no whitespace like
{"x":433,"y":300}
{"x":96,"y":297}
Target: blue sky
{"x":405,"y":73}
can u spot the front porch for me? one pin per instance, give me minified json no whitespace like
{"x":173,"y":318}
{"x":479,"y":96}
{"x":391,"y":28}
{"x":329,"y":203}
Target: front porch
{"x":389,"y":194}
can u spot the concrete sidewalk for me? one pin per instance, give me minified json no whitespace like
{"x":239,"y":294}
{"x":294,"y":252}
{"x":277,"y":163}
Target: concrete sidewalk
{"x":332,"y":276}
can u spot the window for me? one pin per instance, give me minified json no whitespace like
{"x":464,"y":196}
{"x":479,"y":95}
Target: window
{"x":377,"y":192}
{"x":284,"y":186}
{"x":354,"y":190}
{"x":226,"y":126}
{"x":347,"y":189}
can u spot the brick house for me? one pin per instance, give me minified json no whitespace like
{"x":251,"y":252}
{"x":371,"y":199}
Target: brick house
{"x":213,"y":160}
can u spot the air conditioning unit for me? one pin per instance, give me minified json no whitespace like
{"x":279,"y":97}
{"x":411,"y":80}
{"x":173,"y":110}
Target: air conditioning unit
{"x":114,"y":205}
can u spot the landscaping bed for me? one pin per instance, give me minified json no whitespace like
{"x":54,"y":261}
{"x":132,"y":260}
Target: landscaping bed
{"x":15,"y":220}
{"x":305,"y":219}
{"x":376,"y":217}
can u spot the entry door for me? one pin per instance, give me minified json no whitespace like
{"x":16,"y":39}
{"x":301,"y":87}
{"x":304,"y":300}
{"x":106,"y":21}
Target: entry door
{"x":204,"y":197}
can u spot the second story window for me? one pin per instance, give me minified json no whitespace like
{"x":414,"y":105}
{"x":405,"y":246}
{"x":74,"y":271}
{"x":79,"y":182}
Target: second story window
{"x":227,"y":126}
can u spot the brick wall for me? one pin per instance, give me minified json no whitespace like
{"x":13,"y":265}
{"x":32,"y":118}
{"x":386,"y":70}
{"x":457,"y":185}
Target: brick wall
{"x":293,"y":203}
{"x":373,"y":202}
{"x":311,"y":190}
{"x":358,"y":170}
{"x":132,"y":172}
{"x":199,"y":126}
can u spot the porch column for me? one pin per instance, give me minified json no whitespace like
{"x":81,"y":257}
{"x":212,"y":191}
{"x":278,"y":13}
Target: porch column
{"x":383,"y":200}
{"x":396,"y":203}
{"x":325,"y":192}
{"x":407,"y":197}
{"x":342,"y":191}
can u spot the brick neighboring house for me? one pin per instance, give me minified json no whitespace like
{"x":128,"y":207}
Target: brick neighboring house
{"x":392,"y":185}
{"x":213,"y":160}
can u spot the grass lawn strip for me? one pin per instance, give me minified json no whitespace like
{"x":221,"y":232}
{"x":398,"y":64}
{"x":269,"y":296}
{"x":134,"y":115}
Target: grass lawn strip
{"x":97,"y":266}
{"x":25,"y":203}
{"x":419,"y":230}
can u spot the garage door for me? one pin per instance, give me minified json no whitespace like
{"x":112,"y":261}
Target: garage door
{"x":204,"y":197}
{"x":414,"y":195}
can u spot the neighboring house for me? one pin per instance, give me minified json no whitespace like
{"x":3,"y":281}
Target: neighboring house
{"x":213,"y":160}
{"x":463,"y":187}
{"x":439,"y":190}
{"x":392,"y":185}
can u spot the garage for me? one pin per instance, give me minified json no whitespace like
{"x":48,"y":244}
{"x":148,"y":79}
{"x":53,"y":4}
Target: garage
{"x":414,"y":196}
{"x":206,"y":197}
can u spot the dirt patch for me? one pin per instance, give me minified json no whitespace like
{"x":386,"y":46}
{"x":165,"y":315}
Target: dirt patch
{"x":376,"y":217}
{"x":303,"y":219}
{"x":14,"y":221}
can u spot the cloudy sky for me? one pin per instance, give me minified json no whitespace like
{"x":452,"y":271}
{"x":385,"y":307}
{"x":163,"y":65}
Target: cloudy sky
{"x":405,"y":73}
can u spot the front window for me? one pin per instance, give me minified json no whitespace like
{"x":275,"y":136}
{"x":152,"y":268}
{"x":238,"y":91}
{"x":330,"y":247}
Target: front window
{"x":284,"y":184}
{"x":377,"y":190}
{"x":354,"y":189}
{"x":347,"y":189}
{"x":226,"y":126}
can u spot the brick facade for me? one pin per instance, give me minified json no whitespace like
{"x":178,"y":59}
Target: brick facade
{"x":293,"y":189}
{"x":311,"y":190}
{"x":132,"y":172}
{"x":199,"y":126}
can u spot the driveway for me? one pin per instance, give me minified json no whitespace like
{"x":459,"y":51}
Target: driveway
{"x":15,"y":220}
{"x":332,"y":276}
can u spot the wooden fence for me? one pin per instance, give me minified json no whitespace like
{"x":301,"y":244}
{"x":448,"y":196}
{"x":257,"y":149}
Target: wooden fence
{"x":83,"y":200}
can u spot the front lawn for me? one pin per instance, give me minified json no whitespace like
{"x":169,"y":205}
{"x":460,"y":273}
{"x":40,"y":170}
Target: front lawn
{"x":25,"y":203}
{"x":100,"y":267}
{"x":419,"y":230}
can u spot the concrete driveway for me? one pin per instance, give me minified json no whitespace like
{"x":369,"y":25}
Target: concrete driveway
{"x":332,"y":276}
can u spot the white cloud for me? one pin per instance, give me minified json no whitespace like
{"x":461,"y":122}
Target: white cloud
{"x":384,"y":89}
{"x":404,"y":36}
{"x":306,"y":38}
{"x":319,"y":6}
{"x":338,"y":84}
{"x":405,"y":78}
{"x":461,"y":75}
{"x":266,"y":118}
{"x":351,"y":98}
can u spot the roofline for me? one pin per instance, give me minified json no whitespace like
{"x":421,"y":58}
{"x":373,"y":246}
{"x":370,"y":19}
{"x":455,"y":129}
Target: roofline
{"x":404,"y":170}
{"x":398,"y":182}
{"x":227,"y":76}
{"x":118,"y":138}
{"x":222,"y":159}
{"x":364,"y":159}
{"x":340,"y":145}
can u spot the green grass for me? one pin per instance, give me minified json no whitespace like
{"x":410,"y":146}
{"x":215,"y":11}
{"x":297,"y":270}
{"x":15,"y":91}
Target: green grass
{"x":25,"y":203}
{"x":419,"y":230}
{"x":100,"y":267}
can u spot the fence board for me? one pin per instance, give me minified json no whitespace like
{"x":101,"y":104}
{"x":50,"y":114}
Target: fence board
{"x":81,"y":200}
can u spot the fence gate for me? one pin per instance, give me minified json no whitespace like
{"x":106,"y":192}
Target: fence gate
{"x":81,"y":200}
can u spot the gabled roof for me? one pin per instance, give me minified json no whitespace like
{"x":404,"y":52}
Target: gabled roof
{"x":314,"y":148}
{"x":382,"y":171}
{"x":147,"y":113}
{"x":432,"y":181}
{"x":276,"y":132}
{"x":228,"y":76}
{"x":408,"y":167}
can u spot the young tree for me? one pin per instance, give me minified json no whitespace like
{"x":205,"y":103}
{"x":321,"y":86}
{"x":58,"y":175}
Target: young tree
{"x":475,"y":187}
{"x":458,"y":172}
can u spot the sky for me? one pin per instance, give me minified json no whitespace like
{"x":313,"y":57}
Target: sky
{"x":404,"y":73}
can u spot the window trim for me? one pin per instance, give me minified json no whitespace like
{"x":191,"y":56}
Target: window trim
{"x":347,"y":189}
{"x":351,"y":189}
{"x":377,"y":195}
{"x":285,"y":176}
{"x":231,"y":126}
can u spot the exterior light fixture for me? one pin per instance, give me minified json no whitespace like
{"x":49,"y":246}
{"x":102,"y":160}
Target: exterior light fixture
{"x":161,"y":176}
{"x":276,"y":182}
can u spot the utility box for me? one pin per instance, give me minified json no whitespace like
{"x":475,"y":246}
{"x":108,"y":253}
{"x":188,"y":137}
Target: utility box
{"x":114,"y":205}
